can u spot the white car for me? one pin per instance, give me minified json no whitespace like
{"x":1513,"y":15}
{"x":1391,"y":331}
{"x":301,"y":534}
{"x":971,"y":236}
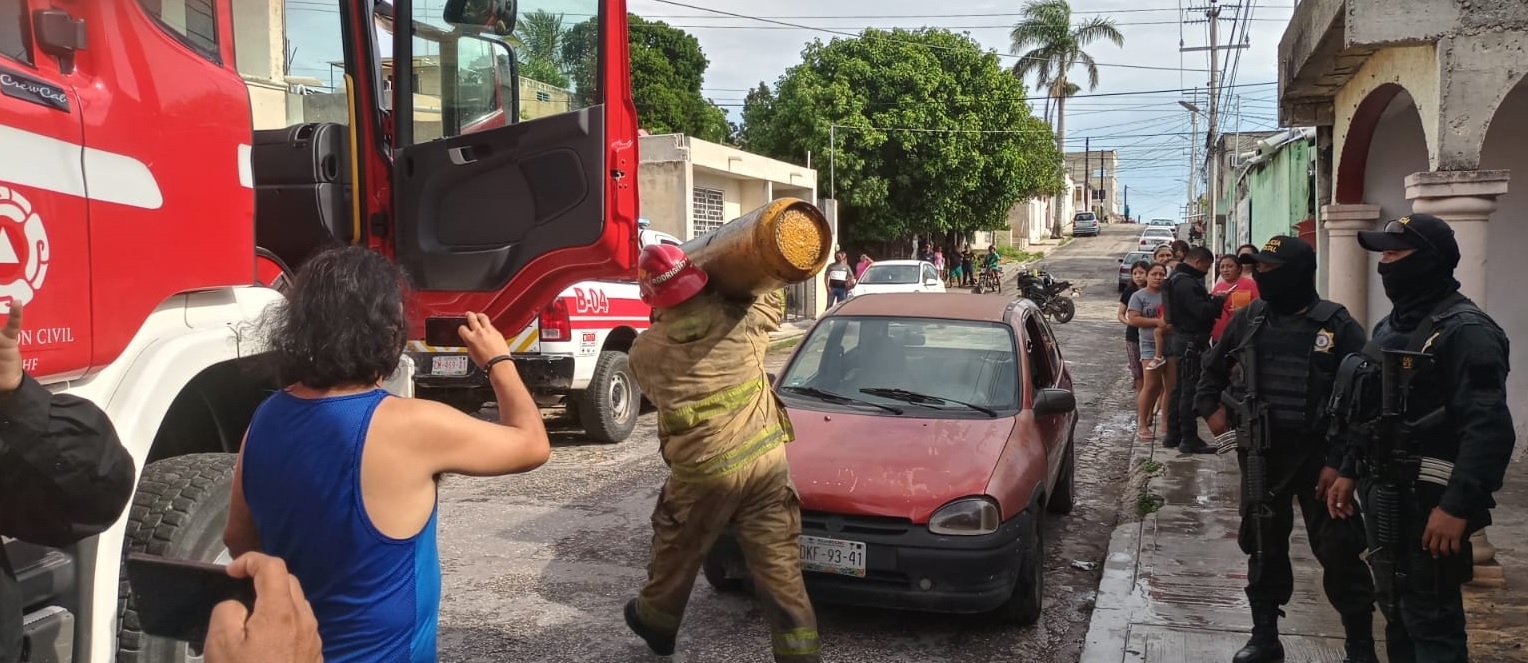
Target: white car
{"x":898,"y":276}
{"x":1155,"y":236}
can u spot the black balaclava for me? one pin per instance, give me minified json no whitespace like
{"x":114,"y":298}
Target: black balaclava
{"x":1414,"y":285}
{"x":1289,"y":288}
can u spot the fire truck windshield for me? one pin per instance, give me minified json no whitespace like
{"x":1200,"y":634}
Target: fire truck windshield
{"x":463,"y":80}
{"x":468,"y":81}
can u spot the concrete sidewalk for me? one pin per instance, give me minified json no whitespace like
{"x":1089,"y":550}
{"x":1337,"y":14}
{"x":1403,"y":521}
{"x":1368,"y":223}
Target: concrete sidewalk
{"x":1172,"y":586}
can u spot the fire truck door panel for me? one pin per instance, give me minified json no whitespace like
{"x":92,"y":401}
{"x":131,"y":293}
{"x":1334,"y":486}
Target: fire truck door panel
{"x":44,"y":239}
{"x":167,"y":134}
{"x":476,"y":209}
{"x":498,"y":217}
{"x":302,"y":189}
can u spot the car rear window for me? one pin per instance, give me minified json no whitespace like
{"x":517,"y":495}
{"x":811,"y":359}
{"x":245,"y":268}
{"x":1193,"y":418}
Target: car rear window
{"x":961,"y":360}
{"x":890,"y":274}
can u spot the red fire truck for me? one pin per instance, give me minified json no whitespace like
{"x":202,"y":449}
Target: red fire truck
{"x":142,"y":218}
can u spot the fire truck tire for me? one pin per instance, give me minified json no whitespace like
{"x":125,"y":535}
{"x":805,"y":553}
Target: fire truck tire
{"x":608,"y":408}
{"x":178,"y":511}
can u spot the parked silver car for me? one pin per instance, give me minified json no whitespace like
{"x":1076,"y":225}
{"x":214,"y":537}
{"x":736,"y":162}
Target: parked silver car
{"x":1085,"y":224}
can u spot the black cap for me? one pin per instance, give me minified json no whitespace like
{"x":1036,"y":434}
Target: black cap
{"x":1423,"y":232}
{"x":1280,"y":250}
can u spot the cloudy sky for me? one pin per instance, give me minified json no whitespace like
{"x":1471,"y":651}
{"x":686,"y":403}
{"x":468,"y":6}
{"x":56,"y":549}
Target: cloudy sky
{"x":1134,"y":109}
{"x":1151,"y":131}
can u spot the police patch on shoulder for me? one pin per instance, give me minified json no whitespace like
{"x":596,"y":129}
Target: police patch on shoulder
{"x":1324,"y":340}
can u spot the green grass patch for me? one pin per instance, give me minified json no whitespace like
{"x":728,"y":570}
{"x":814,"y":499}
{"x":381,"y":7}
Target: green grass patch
{"x":1017,"y":254}
{"x":1148,"y":503}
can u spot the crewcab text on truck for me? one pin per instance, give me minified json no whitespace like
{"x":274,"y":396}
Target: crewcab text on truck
{"x":150,"y":206}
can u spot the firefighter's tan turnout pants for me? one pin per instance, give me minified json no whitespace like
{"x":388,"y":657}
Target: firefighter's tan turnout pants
{"x":761,"y":504}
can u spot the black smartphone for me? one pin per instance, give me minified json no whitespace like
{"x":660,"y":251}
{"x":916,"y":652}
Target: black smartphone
{"x":174,"y":598}
{"x":444,"y":332}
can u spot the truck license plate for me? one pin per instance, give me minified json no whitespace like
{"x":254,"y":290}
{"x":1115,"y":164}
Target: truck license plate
{"x":448,"y":365}
{"x":833,"y":556}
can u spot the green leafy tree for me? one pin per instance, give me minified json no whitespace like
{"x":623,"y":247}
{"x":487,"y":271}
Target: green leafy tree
{"x":933,"y":136}
{"x":756,"y":108}
{"x":538,"y":41}
{"x":1049,"y":47}
{"x":668,"y":69}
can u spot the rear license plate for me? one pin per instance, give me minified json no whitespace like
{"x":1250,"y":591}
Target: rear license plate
{"x":449,"y":365}
{"x":833,"y":556}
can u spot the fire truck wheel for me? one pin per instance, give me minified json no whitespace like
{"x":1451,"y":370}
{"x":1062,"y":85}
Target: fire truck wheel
{"x":608,"y":409}
{"x":179,"y":511}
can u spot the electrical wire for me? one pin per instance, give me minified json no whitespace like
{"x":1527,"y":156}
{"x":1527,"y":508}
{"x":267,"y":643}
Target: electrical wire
{"x":891,"y":39}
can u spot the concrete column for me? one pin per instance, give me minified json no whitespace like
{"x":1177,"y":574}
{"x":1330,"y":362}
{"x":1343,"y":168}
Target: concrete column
{"x":1347,"y":263}
{"x":1466,"y":199}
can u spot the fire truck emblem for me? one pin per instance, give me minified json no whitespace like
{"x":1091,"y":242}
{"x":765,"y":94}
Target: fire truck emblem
{"x":24,"y":249}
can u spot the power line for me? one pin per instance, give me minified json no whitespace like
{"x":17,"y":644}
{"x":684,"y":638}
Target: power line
{"x":976,"y":15}
{"x":986,"y":26}
{"x":857,"y":36}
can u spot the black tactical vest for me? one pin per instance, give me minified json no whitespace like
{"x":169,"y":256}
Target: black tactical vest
{"x":1297,"y":361}
{"x":1430,"y":392}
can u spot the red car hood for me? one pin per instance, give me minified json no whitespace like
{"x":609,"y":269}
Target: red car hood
{"x":900,"y":467}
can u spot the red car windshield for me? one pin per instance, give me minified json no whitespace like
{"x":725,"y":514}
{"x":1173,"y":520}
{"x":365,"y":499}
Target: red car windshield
{"x":958,"y":361}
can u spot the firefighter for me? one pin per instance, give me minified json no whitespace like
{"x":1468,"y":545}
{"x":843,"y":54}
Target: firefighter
{"x":1459,"y":458}
{"x":722,"y":433}
{"x":1299,"y":340}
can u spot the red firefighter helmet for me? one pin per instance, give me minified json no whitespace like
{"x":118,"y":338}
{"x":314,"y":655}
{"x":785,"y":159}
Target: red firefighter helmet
{"x":666,"y":277}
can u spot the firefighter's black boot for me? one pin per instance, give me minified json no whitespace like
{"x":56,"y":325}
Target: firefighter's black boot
{"x":1264,"y":647}
{"x":1360,"y":638}
{"x":661,"y":644}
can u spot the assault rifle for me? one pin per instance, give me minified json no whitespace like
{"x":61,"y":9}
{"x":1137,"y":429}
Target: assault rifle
{"x":1393,"y":461}
{"x":1252,"y":436}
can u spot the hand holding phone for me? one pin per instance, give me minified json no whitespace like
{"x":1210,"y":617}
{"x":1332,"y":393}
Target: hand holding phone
{"x":174,"y":598}
{"x":282,"y":627}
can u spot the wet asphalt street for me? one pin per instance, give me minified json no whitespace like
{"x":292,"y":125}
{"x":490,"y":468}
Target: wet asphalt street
{"x":538,"y":566}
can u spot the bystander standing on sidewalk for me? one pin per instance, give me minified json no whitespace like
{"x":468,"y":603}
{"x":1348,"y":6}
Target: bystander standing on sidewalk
{"x":1238,"y":289}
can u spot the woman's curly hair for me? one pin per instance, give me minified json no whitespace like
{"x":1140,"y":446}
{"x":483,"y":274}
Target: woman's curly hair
{"x":343,"y":321}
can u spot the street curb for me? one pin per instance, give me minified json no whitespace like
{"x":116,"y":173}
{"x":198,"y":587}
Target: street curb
{"x":1117,"y":601}
{"x":785,"y":342}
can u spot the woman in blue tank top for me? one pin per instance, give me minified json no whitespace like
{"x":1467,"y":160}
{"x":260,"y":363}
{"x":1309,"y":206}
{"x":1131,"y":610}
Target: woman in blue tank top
{"x":338,"y":478}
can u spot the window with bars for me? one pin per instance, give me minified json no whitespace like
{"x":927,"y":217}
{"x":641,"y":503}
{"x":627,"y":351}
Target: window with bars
{"x":707,"y":207}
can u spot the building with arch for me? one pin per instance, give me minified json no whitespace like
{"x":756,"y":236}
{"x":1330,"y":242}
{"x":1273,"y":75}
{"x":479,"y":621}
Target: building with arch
{"x":1420,"y":106}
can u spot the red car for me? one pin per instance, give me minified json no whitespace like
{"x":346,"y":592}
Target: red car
{"x":933,"y":435}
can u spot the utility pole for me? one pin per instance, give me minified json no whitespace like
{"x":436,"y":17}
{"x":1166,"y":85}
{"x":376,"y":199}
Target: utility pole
{"x":1103,"y":185}
{"x":1212,"y":143}
{"x":1193,"y":154}
{"x":833,"y":162}
{"x":1087,"y":175}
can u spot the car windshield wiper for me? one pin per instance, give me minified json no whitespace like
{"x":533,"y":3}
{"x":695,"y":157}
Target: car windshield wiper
{"x":838,"y":398}
{"x":919,"y":399}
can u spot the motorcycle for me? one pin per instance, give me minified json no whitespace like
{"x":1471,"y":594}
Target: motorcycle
{"x":1052,"y":296}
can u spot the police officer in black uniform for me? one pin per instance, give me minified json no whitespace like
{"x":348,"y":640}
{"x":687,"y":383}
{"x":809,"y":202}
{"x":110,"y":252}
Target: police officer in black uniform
{"x":64,"y":475}
{"x":1463,"y":456}
{"x":1192,"y":313}
{"x":1299,"y":340}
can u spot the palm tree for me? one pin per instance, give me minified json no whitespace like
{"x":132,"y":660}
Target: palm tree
{"x":1049,"y":46}
{"x":538,"y":41}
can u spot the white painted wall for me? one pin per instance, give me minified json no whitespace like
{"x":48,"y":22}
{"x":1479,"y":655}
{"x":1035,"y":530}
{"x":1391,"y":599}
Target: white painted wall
{"x":1506,"y":148}
{"x":1399,"y":149}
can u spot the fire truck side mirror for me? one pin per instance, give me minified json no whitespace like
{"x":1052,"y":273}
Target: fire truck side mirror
{"x":59,"y":35}
{"x":496,"y":16}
